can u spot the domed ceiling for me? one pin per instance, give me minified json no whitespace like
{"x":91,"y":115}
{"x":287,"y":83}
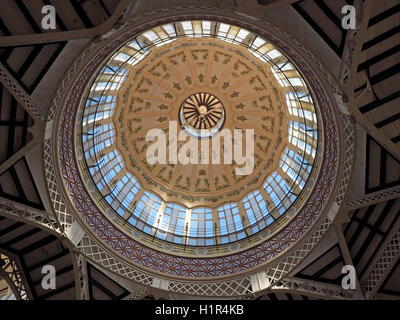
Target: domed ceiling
{"x":183,"y":85}
{"x":246,"y":110}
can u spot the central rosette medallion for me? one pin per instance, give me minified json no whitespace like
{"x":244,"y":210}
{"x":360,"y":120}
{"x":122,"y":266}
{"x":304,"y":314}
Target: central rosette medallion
{"x":202,"y":115}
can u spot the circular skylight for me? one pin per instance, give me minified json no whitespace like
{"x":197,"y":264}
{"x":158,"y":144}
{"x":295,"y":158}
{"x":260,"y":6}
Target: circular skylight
{"x":205,"y":75}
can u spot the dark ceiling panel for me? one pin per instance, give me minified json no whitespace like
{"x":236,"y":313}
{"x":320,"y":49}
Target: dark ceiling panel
{"x":325,"y":268}
{"x":101,"y":287}
{"x":380,"y":67}
{"x":367,"y":231}
{"x":29,"y":64}
{"x":17,"y":184}
{"x":35,"y":248}
{"x":391,"y":285}
{"x":382,"y":168}
{"x":324,"y":18}
{"x":14,"y":124}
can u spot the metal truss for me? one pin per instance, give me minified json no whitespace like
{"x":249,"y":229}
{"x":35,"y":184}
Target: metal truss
{"x":12,"y":275}
{"x":19,"y":94}
{"x":373,"y":198}
{"x":111,"y":23}
{"x":348,"y":150}
{"x":137,"y":295}
{"x":389,"y":254}
{"x":314,"y":288}
{"x":36,"y":217}
{"x":81,"y":273}
{"x":347,"y":58}
{"x":364,"y":11}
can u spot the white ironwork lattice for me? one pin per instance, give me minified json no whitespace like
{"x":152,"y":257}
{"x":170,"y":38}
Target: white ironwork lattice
{"x":348,"y":150}
{"x":324,"y":290}
{"x":138,"y":294}
{"x":83,"y":277}
{"x":277,"y":271}
{"x":11,"y":273}
{"x":96,"y":253}
{"x":374,"y":197}
{"x":21,"y":96}
{"x":30,"y":214}
{"x":226,"y":288}
{"x":388,"y":256}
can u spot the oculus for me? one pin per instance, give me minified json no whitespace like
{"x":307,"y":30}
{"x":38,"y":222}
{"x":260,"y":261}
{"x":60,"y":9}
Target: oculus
{"x":202,"y":115}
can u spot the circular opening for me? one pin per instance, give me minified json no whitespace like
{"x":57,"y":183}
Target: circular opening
{"x":202,"y":115}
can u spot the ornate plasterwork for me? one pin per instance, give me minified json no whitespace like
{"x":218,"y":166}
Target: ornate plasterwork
{"x":103,"y":256}
{"x":153,"y":93}
{"x":202,"y":111}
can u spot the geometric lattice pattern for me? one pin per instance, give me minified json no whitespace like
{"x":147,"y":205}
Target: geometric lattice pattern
{"x":375,"y":197}
{"x":11,"y":273}
{"x":16,"y":89}
{"x":217,"y":289}
{"x":94,"y":252}
{"x":388,"y":256}
{"x":32,"y":215}
{"x":314,"y":288}
{"x":348,"y":135}
{"x":138,"y":294}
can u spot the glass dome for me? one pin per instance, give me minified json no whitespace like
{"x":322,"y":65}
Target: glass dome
{"x":132,"y":196}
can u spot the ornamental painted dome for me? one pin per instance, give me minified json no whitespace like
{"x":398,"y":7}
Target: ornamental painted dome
{"x":231,"y":79}
{"x":211,"y":80}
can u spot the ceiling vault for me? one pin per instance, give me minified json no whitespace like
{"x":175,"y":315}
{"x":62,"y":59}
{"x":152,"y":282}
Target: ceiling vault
{"x":366,"y":233}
